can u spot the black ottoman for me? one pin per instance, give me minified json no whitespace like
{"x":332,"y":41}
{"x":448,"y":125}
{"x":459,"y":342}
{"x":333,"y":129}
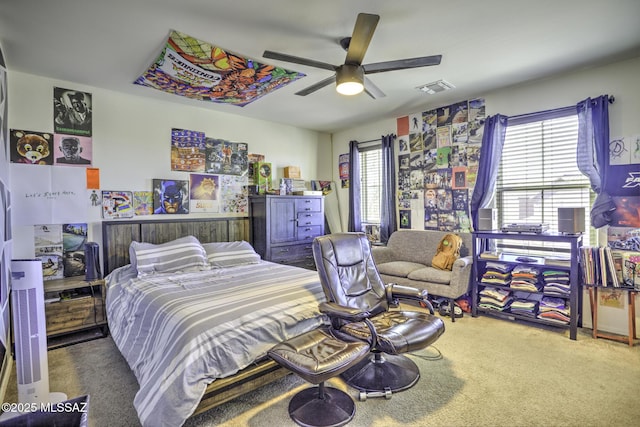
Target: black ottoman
{"x":317,"y":356}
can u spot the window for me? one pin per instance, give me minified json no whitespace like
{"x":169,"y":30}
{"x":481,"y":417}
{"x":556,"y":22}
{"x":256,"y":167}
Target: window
{"x":538,"y":174}
{"x":371,"y":184}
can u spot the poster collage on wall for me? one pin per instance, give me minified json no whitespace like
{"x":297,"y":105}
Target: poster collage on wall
{"x":60,"y":247}
{"x":438,"y":159}
{"x":219,"y":172}
{"x":70,"y":143}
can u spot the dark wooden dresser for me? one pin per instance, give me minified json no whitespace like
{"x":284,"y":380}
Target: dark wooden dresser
{"x":283,"y":227}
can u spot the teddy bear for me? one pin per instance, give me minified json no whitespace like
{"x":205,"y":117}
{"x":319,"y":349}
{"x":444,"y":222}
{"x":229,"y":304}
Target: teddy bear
{"x":33,"y":149}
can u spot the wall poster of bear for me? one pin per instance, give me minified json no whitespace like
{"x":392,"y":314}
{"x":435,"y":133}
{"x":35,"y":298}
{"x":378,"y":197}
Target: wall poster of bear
{"x":32,"y":148}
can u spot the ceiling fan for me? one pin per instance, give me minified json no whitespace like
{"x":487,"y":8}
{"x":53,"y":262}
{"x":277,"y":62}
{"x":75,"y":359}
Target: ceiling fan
{"x":350,"y":77}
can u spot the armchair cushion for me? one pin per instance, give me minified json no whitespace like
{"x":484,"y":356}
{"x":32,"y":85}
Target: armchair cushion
{"x":431,"y":274}
{"x":399,"y":268}
{"x":399,"y":331}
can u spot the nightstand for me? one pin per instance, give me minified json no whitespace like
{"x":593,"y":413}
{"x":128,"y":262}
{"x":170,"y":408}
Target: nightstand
{"x":74,"y":310}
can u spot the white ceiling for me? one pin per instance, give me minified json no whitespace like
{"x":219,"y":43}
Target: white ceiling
{"x":486,"y":44}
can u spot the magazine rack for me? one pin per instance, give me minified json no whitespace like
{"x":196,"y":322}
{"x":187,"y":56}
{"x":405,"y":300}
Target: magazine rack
{"x":631,"y":301}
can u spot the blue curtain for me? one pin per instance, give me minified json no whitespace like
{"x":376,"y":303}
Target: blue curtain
{"x":388,"y":221}
{"x":495,"y":128}
{"x":354,"y":223}
{"x":593,"y":139}
{"x":592,"y":154}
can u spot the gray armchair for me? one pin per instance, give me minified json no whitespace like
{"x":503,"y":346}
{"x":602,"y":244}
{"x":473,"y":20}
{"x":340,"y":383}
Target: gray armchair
{"x":359,"y":303}
{"x":406,"y":260}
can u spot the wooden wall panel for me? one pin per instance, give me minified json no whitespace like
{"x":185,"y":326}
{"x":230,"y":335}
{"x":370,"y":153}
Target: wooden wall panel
{"x":116,"y":238}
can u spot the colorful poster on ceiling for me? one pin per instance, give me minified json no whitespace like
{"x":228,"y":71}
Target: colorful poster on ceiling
{"x":200,"y":70}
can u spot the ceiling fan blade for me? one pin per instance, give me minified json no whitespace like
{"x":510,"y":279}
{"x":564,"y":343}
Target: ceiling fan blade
{"x":317,"y":86}
{"x":402,"y":64}
{"x":372,"y":90}
{"x":362,"y":33}
{"x":298,"y":60}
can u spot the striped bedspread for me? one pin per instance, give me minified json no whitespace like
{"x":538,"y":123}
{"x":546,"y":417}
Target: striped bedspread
{"x":179,"y":332}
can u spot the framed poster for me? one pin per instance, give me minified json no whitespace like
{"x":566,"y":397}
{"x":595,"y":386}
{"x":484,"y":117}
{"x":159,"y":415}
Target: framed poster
{"x":117,"y":204}
{"x":170,"y":196}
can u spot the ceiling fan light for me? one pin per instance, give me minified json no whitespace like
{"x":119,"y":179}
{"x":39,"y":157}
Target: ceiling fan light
{"x":349,"y":79}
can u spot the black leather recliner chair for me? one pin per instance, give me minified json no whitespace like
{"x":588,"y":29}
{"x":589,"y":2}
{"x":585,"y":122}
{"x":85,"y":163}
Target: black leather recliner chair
{"x":360,"y":305}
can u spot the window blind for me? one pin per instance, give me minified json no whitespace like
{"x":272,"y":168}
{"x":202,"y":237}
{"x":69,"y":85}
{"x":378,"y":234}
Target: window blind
{"x":371,"y":184}
{"x":538,"y":174}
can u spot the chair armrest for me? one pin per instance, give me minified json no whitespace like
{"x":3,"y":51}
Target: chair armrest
{"x":382,"y":254}
{"x":334,"y":310}
{"x":407,"y":292}
{"x":396,"y":292}
{"x":460,"y":275}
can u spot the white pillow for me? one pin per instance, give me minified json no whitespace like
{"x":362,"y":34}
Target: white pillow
{"x":185,"y":253}
{"x":229,"y":254}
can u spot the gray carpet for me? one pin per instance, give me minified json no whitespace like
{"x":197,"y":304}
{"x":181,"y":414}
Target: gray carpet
{"x":481,"y":372}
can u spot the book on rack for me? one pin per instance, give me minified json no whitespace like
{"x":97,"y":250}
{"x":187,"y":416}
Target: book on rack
{"x":630,"y":268}
{"x":589,"y":265}
{"x":612,"y":277}
{"x":606,"y":267}
{"x":602,"y":264}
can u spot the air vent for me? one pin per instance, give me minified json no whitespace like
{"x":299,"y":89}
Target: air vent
{"x":436,"y":87}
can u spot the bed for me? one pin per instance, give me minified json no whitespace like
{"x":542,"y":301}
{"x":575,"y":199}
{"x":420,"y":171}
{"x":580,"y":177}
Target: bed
{"x":197,"y":335}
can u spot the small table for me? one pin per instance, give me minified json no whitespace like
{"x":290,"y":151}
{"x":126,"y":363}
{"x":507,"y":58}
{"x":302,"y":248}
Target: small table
{"x":593,"y":302}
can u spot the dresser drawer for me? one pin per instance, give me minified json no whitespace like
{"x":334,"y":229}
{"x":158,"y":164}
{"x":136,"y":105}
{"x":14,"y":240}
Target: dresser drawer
{"x":309,"y":218}
{"x":64,"y":315}
{"x":291,"y":253}
{"x":309,"y":205}
{"x":309,"y":232}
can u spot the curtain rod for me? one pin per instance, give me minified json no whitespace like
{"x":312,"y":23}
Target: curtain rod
{"x":373,"y":140}
{"x":548,"y":114}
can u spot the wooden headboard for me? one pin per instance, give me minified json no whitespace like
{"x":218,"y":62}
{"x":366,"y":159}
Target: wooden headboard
{"x":118,"y":235}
